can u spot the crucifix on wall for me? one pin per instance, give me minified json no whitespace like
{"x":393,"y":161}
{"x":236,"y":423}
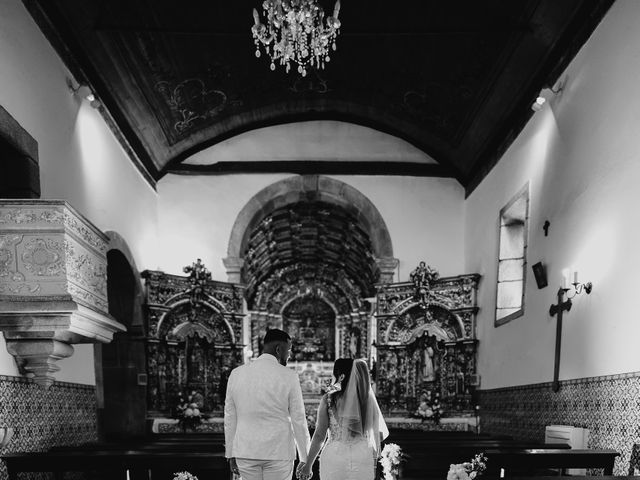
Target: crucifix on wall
{"x":559,"y":308}
{"x":564,"y":306}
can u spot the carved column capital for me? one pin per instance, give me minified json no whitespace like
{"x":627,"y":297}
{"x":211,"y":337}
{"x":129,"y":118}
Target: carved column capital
{"x":387,"y":266}
{"x":53,"y":283}
{"x":234,"y":268}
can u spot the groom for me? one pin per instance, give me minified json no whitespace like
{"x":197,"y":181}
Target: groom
{"x":264,"y":417}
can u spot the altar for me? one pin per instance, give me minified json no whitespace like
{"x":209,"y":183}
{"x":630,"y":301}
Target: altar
{"x":418,"y":338}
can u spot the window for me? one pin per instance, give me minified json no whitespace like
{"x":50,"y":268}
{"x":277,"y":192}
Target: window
{"x":512,"y":258}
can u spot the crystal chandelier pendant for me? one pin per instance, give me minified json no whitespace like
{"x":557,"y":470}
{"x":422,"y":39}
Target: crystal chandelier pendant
{"x":296,"y":31}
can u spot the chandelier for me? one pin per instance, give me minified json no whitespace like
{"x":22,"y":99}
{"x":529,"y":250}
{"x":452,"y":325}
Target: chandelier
{"x":295,"y":31}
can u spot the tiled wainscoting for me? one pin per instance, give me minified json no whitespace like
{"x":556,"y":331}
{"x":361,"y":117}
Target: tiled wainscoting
{"x":63,"y":415}
{"x":608,"y":406}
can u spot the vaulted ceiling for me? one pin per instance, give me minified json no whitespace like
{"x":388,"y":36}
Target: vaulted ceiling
{"x":455,"y":78}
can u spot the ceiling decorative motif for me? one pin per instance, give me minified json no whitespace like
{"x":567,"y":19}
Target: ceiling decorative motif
{"x":309,"y":249}
{"x":456,"y":79}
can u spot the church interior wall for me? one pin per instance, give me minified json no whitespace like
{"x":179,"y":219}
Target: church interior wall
{"x":579,"y":155}
{"x":80,"y":161}
{"x":424,"y":217}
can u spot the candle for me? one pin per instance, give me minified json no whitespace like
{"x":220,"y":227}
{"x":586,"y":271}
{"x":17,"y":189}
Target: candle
{"x":575,"y":277}
{"x":336,"y":10}
{"x":128,"y":478}
{"x":256,"y":17}
{"x":565,"y":277}
{"x":502,"y":473}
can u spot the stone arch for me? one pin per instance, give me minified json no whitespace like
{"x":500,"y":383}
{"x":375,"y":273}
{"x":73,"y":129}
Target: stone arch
{"x":316,"y":187}
{"x":117,"y":242}
{"x":121,"y":398}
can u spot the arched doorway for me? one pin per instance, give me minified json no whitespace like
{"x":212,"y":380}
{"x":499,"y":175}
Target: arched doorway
{"x":120,"y":365}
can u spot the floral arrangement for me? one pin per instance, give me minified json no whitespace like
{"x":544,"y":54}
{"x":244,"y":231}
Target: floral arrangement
{"x":390,"y":459}
{"x":468,"y":470}
{"x":188,"y":411}
{"x":184,"y":476}
{"x":429,"y":409}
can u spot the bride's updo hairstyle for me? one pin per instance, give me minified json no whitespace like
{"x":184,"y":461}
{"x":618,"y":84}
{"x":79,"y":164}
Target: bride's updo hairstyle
{"x":342,"y":366}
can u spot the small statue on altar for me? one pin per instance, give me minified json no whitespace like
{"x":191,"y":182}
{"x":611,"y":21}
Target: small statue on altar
{"x":354,"y":342}
{"x":428,"y":371}
{"x":423,"y":275}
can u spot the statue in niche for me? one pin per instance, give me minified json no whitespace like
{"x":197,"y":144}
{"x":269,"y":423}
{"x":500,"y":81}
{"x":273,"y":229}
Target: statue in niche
{"x":428,"y":371}
{"x":354,"y":342}
{"x":423,"y":357}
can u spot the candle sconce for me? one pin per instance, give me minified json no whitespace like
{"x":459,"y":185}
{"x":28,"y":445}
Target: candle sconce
{"x":5,"y":436}
{"x":578,"y":287}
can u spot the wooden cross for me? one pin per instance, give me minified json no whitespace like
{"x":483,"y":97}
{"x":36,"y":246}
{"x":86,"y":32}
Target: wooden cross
{"x":562,"y":306}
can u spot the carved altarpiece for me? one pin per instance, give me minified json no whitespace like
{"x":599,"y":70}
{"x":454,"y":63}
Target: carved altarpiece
{"x":194,"y":338}
{"x":426,"y":344}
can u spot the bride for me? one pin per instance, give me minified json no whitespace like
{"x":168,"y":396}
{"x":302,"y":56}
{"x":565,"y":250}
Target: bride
{"x":353,"y":420}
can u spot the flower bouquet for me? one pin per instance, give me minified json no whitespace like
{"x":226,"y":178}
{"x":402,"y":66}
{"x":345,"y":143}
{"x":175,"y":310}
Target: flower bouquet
{"x":390,"y":459}
{"x":468,"y":470}
{"x":184,"y":476}
{"x":189,"y":415}
{"x":429,"y":409}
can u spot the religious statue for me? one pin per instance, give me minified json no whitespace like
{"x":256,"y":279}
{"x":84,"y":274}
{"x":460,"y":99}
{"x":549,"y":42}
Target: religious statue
{"x":428,"y":371}
{"x":421,"y":277}
{"x":354,"y":342}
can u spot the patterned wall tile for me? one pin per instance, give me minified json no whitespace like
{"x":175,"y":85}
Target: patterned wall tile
{"x":608,"y":406}
{"x":66,"y":414}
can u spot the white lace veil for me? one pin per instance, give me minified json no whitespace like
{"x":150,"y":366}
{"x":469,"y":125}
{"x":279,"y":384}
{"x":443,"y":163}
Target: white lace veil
{"x":358,"y":411}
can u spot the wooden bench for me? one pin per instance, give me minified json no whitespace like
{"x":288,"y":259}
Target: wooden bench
{"x":113,"y":464}
{"x":433,"y":462}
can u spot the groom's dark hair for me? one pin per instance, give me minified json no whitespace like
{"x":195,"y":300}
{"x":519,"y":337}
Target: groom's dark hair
{"x":275,"y":335}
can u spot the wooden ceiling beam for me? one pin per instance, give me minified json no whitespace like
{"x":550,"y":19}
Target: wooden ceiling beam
{"x":319,"y":167}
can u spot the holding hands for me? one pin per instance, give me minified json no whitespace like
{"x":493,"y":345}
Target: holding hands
{"x":303,"y":472}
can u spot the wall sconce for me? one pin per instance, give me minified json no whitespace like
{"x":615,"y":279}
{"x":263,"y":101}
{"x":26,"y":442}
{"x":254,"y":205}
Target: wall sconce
{"x":5,"y":436}
{"x":578,"y":287}
{"x":84,"y":92}
{"x":541,"y":99}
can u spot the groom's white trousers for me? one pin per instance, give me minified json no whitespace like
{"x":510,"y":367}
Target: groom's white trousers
{"x":265,"y":469}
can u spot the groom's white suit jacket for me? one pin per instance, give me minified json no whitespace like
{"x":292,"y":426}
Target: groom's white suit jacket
{"x":264,"y":417}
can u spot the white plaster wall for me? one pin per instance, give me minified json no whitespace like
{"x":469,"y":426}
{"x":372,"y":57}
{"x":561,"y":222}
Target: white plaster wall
{"x":80,"y":160}
{"x":580,"y":155}
{"x":424,"y":217}
{"x":313,"y":140}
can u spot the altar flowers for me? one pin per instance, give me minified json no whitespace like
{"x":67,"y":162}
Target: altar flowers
{"x":468,"y":470}
{"x":184,"y":476}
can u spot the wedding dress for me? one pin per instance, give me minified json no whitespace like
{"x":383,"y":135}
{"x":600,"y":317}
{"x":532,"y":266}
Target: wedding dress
{"x":355,"y":430}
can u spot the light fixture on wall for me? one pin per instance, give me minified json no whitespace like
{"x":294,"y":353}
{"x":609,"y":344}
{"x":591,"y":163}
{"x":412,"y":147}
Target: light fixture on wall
{"x":295,"y":31}
{"x":83,"y":92}
{"x":571,"y":285}
{"x":541,"y":99}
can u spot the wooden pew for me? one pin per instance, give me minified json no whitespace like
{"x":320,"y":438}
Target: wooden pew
{"x":433,"y":462}
{"x":521,"y":462}
{"x":113,"y":464}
